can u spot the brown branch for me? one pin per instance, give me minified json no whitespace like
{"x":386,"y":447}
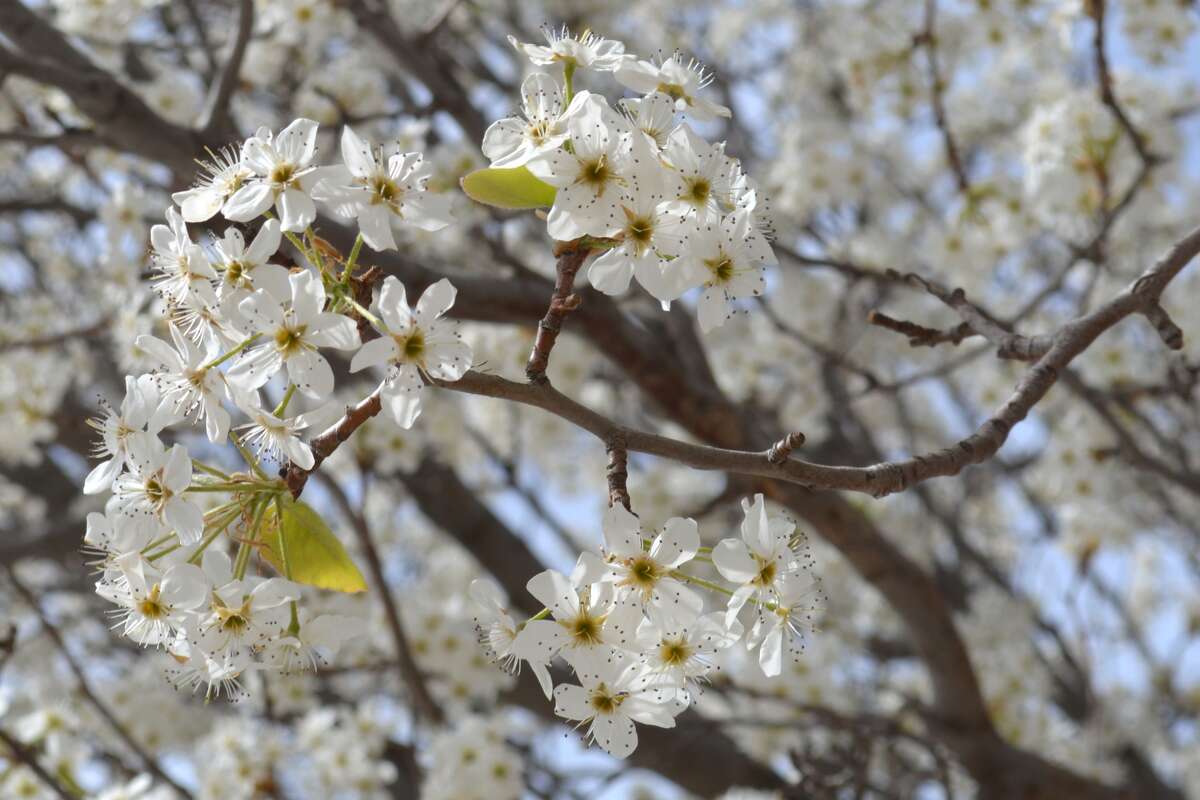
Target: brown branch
{"x":216,"y":110}
{"x":85,"y":688}
{"x":1166,"y":328}
{"x":937,"y":86}
{"x":920,"y":335}
{"x":888,"y":477}
{"x":1097,"y":9}
{"x":121,"y":118}
{"x":26,"y":756}
{"x":423,"y":703}
{"x":570,"y":258}
{"x":782,"y":450}
{"x":879,"y":479}
{"x":617,"y":471}
{"x":975,"y":321}
{"x":323,"y":446}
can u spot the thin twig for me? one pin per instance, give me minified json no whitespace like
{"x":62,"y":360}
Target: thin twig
{"x":564,"y":300}
{"x":85,"y":688}
{"x":423,"y":703}
{"x":27,"y":757}
{"x":937,"y":85}
{"x":617,"y":471}
{"x":217,"y":108}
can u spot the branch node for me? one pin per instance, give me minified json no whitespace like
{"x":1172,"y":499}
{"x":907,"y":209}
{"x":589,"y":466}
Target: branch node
{"x":1168,"y":331}
{"x":780,"y":451}
{"x":570,"y":257}
{"x":618,"y":470}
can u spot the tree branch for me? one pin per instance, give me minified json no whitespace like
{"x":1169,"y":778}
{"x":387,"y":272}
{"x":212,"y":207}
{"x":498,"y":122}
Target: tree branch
{"x":564,"y":300}
{"x":423,"y":702}
{"x":216,"y":111}
{"x":27,"y":757}
{"x":85,"y":688}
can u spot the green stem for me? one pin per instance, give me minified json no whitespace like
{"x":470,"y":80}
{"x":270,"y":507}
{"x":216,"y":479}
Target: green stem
{"x":152,"y":557}
{"x":247,"y":455}
{"x":242,"y":560}
{"x":282,"y":540}
{"x":159,"y":542}
{"x":365,"y":313}
{"x":346,"y":273}
{"x":569,"y":80}
{"x":715,"y":587}
{"x":287,"y":398}
{"x":316,"y":253}
{"x":217,"y":530}
{"x":205,"y":468}
{"x":683,"y":576}
{"x":223,"y":358}
{"x":234,"y":486}
{"x":243,"y":554}
{"x":545,"y":612}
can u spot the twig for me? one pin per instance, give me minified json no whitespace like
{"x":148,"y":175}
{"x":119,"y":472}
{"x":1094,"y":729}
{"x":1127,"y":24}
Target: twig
{"x":423,"y":703}
{"x":26,"y":757}
{"x":975,"y":321}
{"x":920,"y":335}
{"x":148,"y":762}
{"x":879,"y":479}
{"x":781,"y":450}
{"x":217,"y":108}
{"x":928,"y":38}
{"x":570,"y":258}
{"x":1104,"y":77}
{"x":617,"y":471}
{"x":323,"y":446}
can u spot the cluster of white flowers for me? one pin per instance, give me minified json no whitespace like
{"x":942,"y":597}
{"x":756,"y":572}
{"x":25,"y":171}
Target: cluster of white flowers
{"x":474,"y":760}
{"x":243,"y":325}
{"x":662,"y":203}
{"x":632,"y":625}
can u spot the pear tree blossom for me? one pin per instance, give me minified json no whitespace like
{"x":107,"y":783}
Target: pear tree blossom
{"x":283,"y":175}
{"x":326,"y":530}
{"x":381,"y":190}
{"x":416,"y":343}
{"x":291,"y":337}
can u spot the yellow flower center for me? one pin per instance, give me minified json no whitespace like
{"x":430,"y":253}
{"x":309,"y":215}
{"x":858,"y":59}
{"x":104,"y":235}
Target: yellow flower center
{"x":290,"y":340}
{"x":585,"y":629}
{"x":151,"y":607}
{"x":283,"y":174}
{"x":412,"y":347}
{"x":604,"y":700}
{"x":766,"y":571}
{"x":674,"y":652}
{"x":721,"y":268}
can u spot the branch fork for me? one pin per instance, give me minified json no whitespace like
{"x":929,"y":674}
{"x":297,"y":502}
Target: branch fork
{"x":570,"y":257}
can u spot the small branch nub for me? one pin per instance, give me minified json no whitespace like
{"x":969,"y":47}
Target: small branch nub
{"x":618,"y":472}
{"x":780,"y":451}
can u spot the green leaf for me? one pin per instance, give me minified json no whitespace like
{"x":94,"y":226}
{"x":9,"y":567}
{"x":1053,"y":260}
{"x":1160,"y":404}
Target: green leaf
{"x":508,"y":188}
{"x":314,"y":554}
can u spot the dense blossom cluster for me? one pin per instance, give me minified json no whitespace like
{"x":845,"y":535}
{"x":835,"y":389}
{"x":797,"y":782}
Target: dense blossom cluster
{"x":985,"y":145}
{"x":241,"y":325}
{"x":653,"y":195}
{"x":667,"y":206}
{"x":631,"y":623}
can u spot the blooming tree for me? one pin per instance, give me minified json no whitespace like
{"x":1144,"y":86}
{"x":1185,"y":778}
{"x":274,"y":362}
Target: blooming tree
{"x":647,"y":458}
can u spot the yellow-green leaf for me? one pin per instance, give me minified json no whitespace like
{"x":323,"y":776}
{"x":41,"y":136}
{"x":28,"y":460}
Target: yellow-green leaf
{"x":508,"y":188}
{"x":314,"y":554}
